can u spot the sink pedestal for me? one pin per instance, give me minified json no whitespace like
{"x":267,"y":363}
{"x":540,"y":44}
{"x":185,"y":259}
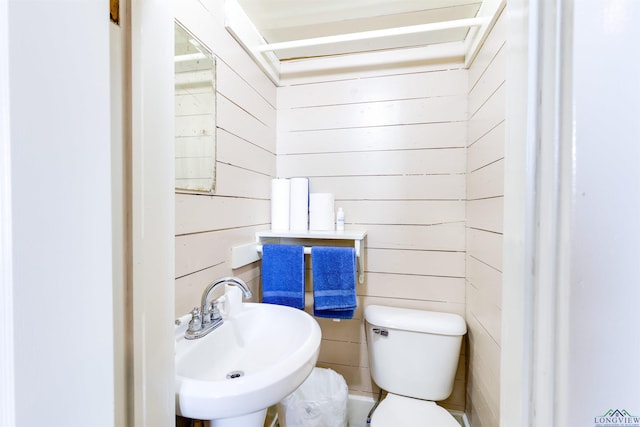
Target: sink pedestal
{"x":255,"y":419}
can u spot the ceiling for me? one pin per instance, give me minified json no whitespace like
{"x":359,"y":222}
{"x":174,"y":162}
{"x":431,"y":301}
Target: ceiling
{"x":280,"y":31}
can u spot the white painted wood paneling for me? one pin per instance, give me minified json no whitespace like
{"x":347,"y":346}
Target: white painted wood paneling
{"x":491,"y":46}
{"x":485,"y":278}
{"x":436,"y":162}
{"x":487,"y":181}
{"x":233,"y":150}
{"x":486,"y":214}
{"x":417,"y":187}
{"x":483,"y":388}
{"x":392,"y":149}
{"x":195,"y":213}
{"x":428,"y":263}
{"x":342,"y":331}
{"x":397,"y":137}
{"x":488,"y":117}
{"x":196,"y":252}
{"x":487,"y":149}
{"x":373,"y":89}
{"x":486,"y":312}
{"x":440,"y":237}
{"x":238,"y":182}
{"x":383,"y":113}
{"x":242,"y":124}
{"x":403,"y":212}
{"x":232,"y":86}
{"x":344,"y":353}
{"x":485,"y":199}
{"x":405,"y":286}
{"x":491,"y":79}
{"x":485,"y":246}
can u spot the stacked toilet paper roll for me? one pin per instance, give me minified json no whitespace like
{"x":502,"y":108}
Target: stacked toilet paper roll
{"x":299,"y":205}
{"x":280,"y":195}
{"x":321,"y":212}
{"x":290,"y":204}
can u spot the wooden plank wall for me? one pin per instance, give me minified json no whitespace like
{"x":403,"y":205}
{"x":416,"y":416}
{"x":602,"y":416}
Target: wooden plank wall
{"x":485,"y":194}
{"x":391,"y":147}
{"x":208,"y":226}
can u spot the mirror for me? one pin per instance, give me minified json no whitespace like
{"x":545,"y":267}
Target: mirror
{"x":195,"y":114}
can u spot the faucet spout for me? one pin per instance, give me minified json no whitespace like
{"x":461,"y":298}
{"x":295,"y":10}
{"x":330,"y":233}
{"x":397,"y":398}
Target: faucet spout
{"x":209,"y":313}
{"x":246,"y":292}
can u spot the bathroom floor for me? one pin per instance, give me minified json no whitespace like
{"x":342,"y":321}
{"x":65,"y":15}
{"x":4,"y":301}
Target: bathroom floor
{"x":358,"y":410}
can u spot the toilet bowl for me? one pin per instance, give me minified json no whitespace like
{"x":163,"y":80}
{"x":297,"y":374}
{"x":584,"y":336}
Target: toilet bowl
{"x":413,"y":355}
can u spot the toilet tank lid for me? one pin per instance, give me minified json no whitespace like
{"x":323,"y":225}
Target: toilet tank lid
{"x":415,"y":320}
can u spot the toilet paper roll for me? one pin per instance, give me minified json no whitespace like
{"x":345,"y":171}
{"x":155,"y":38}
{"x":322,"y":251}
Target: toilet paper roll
{"x":280,"y":194}
{"x":321,"y":212}
{"x":299,"y":205}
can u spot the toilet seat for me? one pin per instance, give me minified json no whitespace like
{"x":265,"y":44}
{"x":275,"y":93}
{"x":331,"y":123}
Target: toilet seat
{"x":401,"y":411}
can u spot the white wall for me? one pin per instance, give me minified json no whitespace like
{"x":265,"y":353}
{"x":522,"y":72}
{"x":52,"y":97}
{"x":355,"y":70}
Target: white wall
{"x":604,"y":339}
{"x":70,"y":156}
{"x":390,"y":145}
{"x":485,"y":199}
{"x":61,"y":208}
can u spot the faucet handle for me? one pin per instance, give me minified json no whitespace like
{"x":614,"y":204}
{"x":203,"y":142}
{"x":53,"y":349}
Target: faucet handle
{"x":215,"y":310}
{"x":195,"y":324}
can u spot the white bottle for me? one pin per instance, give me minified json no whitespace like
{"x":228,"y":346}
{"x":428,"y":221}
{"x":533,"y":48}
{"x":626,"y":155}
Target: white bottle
{"x":340,"y":220}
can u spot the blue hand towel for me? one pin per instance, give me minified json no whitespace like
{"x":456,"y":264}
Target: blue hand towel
{"x":283,"y":275}
{"x":334,"y":282}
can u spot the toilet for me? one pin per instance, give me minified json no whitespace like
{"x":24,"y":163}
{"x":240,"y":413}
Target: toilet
{"x":413,"y":355}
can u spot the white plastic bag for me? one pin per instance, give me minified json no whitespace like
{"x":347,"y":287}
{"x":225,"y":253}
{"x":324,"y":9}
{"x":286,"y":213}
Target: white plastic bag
{"x":321,"y":401}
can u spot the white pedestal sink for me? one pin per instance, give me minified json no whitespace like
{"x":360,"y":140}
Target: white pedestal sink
{"x":256,"y":358}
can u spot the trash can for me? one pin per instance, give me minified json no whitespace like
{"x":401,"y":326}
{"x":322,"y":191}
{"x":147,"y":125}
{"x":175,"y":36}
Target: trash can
{"x":320,"y":401}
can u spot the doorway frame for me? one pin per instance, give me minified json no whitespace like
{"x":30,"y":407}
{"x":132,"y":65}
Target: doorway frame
{"x":7,"y":388}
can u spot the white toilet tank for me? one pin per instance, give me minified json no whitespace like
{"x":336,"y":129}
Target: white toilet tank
{"x":413,"y":352}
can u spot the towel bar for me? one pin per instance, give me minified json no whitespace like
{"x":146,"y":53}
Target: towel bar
{"x":251,"y":252}
{"x":307,"y":250}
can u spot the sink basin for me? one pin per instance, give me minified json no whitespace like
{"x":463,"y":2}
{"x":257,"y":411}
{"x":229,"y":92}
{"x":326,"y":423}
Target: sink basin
{"x":253,"y":360}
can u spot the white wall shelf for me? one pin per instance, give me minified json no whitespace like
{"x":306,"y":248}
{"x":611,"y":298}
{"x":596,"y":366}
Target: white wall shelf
{"x":246,"y":254}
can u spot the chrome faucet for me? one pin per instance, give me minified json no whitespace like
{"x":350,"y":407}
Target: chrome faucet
{"x":206,"y":318}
